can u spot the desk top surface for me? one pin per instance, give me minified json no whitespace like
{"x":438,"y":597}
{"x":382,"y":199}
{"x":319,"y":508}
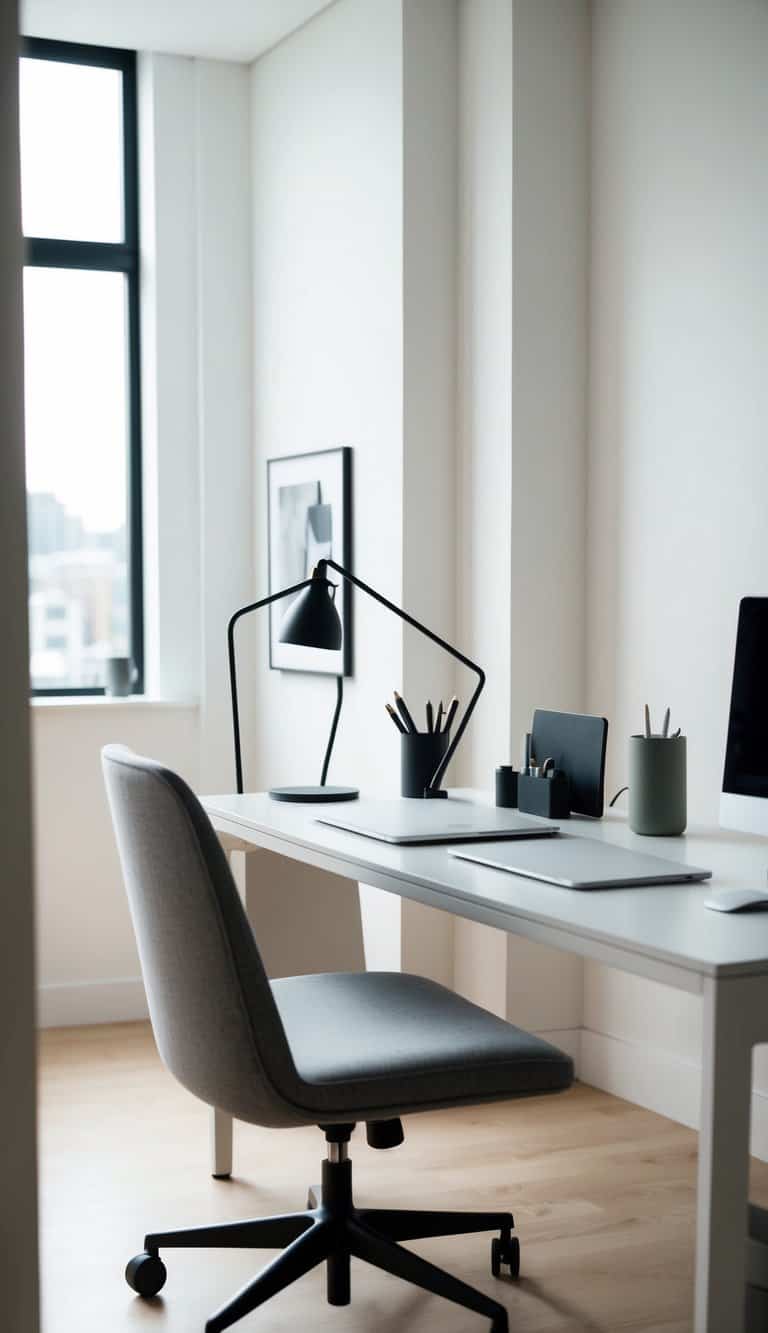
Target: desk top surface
{"x":666,"y":924}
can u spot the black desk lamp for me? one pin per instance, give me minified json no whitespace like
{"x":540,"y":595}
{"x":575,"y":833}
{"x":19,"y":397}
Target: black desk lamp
{"x":313,"y":622}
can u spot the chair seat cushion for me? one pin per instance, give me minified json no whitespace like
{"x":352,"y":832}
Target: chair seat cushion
{"x":386,"y":1043}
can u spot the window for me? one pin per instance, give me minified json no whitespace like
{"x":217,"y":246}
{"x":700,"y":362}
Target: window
{"x":79,"y":191}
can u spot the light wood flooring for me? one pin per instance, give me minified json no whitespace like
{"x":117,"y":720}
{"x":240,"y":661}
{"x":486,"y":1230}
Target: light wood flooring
{"x":603,"y":1195}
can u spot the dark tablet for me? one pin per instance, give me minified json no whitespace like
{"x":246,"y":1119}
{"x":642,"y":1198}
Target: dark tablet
{"x":576,"y":742}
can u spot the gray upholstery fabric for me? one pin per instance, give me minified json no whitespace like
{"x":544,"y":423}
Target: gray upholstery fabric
{"x":304,"y":1050}
{"x":214,"y":1019}
{"x":377,"y":1041}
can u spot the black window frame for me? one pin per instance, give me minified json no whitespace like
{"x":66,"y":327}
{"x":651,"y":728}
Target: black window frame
{"x":110,"y":257}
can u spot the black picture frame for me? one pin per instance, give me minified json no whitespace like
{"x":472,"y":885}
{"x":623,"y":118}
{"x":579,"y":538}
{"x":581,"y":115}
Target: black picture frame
{"x":330,"y":470}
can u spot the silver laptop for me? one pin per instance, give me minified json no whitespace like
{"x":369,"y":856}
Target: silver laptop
{"x":584,"y":863}
{"x":416,"y":821}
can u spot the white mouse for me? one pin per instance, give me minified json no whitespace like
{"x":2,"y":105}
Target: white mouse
{"x":738,"y":900}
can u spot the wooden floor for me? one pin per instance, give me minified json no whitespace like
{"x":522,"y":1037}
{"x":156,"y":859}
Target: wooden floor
{"x":602,"y":1192}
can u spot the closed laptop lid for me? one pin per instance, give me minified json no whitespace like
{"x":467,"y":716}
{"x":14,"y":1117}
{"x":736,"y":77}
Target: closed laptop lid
{"x":583,"y":863}
{"x":413,"y":820}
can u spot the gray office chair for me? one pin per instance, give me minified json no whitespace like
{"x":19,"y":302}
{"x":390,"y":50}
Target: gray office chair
{"x":328,"y":1050}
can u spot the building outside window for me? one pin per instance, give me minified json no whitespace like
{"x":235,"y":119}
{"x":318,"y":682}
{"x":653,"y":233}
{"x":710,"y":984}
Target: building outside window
{"x":82,"y":392}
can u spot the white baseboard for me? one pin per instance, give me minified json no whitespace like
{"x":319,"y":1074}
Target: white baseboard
{"x":642,"y":1074}
{"x":74,"y":1004}
{"x":568,"y":1039}
{"x":650,"y":1077}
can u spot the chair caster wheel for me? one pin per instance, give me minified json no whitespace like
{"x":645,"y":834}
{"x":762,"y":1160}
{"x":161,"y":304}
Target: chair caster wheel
{"x":506,"y":1251}
{"x":146,"y":1274}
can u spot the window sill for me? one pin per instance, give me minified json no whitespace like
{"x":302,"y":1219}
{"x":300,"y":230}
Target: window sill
{"x":110,"y":702}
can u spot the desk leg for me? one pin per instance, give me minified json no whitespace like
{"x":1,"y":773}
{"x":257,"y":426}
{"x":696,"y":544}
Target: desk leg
{"x":721,"y":1222}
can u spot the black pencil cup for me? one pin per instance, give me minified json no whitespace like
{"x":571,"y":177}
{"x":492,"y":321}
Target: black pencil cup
{"x":420,"y":754}
{"x":550,"y":797}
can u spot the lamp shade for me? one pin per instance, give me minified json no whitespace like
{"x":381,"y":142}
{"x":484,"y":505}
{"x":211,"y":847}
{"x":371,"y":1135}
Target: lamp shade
{"x":312,"y":620}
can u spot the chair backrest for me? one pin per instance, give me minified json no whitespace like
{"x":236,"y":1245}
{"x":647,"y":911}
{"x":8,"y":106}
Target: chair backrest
{"x":213,"y":1013}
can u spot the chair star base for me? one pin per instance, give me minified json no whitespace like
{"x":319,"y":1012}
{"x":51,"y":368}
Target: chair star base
{"x":332,"y":1230}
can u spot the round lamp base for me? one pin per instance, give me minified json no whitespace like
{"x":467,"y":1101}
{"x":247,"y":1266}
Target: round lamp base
{"x":310,"y":794}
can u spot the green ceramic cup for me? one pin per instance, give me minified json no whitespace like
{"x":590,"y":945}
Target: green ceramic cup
{"x":657,"y":785}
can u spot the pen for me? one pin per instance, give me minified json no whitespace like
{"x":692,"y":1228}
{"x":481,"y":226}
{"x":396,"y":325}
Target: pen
{"x":665,"y":728}
{"x":430,"y":716}
{"x":395,"y":718}
{"x":647,"y":724}
{"x":450,"y":715}
{"x":402,"y":709}
{"x":439,"y":718}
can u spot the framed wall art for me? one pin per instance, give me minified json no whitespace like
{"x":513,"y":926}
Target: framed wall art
{"x":310,"y":517}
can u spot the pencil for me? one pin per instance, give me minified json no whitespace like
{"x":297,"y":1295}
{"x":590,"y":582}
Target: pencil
{"x":395,"y":718}
{"x":439,"y":718}
{"x":430,"y":716}
{"x":450,"y":715}
{"x":402,"y":709}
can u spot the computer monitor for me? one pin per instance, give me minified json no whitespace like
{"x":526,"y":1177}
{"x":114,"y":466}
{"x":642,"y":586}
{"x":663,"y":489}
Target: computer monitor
{"x":744,"y":800}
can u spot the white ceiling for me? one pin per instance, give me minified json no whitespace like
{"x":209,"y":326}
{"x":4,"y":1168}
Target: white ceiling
{"x":217,"y":29}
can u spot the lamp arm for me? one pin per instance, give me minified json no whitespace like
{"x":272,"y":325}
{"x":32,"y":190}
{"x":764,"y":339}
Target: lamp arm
{"x":237,"y":615}
{"x":437,"y":776}
{"x":334,"y":725}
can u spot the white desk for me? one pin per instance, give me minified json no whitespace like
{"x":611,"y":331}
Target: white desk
{"x":663,"y":933}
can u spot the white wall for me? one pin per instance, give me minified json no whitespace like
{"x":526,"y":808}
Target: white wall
{"x":523,"y":381}
{"x":224,"y":367}
{"x":196,"y":237}
{"x":194,"y":135}
{"x":354,"y":293}
{"x":484,"y":443}
{"x":429,"y":296}
{"x":18,"y":1164}
{"x":328,"y":358}
{"x":549,"y":396}
{"x":679,"y":402}
{"x":550,"y":354}
{"x":430,"y":49}
{"x":88,"y":969}
{"x":170,"y":445}
{"x":484,"y":388}
{"x":679,"y":390}
{"x":523,"y":360}
{"x":352,"y":237}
